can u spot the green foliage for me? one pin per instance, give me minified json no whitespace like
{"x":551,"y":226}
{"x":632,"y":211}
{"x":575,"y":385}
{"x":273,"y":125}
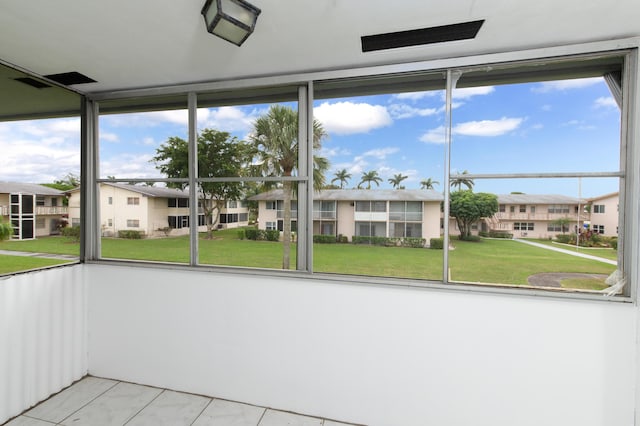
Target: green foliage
{"x":343,"y":239}
{"x":413,"y":242}
{"x":272,"y":235}
{"x":436,"y":243}
{"x":131,"y":235}
{"x":565,"y":238}
{"x":472,"y":238}
{"x":428,"y":183}
{"x":496,"y":234}
{"x":369,"y":177}
{"x":614,"y":244}
{"x":219,"y":154}
{"x":241,"y":234}
{"x":396,"y":180}
{"x":460,"y":180}
{"x":389,"y":242}
{"x":71,"y":232}
{"x":324,"y":239}
{"x":469,"y":207}
{"x":5,"y":230}
{"x":342,"y":176}
{"x":252,"y":233}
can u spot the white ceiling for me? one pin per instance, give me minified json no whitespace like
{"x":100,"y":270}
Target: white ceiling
{"x":125,"y":44}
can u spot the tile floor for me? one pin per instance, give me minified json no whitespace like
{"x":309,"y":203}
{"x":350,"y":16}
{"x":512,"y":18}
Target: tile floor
{"x":94,"y":401}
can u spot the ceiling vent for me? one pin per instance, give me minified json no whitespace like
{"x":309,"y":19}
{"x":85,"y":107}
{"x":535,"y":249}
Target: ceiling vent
{"x":32,"y":82}
{"x":70,"y":78}
{"x":444,"y":33}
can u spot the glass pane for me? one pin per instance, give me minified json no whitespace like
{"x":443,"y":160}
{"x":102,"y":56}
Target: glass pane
{"x":383,"y":173}
{"x":41,"y":161}
{"x":250,"y":231}
{"x":560,"y":244}
{"x":146,"y":221}
{"x":130,"y":143}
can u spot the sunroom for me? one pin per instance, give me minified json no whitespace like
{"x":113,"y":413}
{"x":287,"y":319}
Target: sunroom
{"x":377,"y":343}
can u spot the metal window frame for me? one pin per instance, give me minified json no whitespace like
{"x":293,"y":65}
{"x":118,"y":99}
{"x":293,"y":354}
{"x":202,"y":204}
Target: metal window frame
{"x":630,"y":153}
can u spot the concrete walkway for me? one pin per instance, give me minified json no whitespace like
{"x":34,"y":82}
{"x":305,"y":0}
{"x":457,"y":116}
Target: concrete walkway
{"x":572,"y":253}
{"x":44,"y":255}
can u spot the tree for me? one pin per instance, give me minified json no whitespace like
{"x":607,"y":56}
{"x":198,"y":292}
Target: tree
{"x":469,"y":207}
{"x":342,"y":176}
{"x":5,"y":230}
{"x":275,"y":137}
{"x":457,"y":182}
{"x":219,"y":155}
{"x":563,"y":223}
{"x":369,"y":177}
{"x":69,"y":181}
{"x":396,"y":180}
{"x":428,"y":183}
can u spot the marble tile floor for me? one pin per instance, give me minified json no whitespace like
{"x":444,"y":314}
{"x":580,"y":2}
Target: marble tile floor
{"x":93,"y":401}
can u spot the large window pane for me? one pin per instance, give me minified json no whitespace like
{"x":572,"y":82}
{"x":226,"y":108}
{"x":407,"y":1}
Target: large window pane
{"x":41,"y":162}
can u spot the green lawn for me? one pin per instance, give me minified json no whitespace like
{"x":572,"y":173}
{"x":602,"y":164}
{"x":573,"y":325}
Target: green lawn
{"x":488,"y":261}
{"x":9,"y":264}
{"x":607,"y":253}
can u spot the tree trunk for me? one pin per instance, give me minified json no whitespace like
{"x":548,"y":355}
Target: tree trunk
{"x":286,"y":225}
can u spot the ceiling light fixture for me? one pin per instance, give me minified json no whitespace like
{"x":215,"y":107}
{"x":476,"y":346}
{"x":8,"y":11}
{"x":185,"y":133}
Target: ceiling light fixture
{"x":232,"y":20}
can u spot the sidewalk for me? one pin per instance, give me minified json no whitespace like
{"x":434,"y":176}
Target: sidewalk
{"x":572,"y":253}
{"x":44,"y":255}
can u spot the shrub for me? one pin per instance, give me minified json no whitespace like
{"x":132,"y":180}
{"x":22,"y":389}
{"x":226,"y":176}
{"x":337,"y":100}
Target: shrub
{"x":5,"y":230}
{"x":472,"y":238}
{"x":240,"y":233}
{"x":343,"y":239}
{"x":614,"y":243}
{"x":251,"y":233}
{"x":324,"y":239}
{"x":413,"y":242}
{"x":500,"y":234}
{"x":130,"y":235}
{"x":72,"y":233}
{"x":436,"y":243}
{"x":564,"y":238}
{"x":272,"y":235}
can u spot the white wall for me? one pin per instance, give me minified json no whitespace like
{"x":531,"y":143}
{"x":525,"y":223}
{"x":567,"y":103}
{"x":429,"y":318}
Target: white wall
{"x":376,"y":355}
{"x":42,"y":336}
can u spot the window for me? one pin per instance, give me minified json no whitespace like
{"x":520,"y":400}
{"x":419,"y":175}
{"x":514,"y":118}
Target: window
{"x":562,"y":122}
{"x":133,"y":223}
{"x":598,"y":208}
{"x":110,"y":200}
{"x":232,"y":204}
{"x":40,"y":223}
{"x":598,"y":229}
{"x":109,"y":223}
{"x":39,"y":200}
{"x":133,"y":201}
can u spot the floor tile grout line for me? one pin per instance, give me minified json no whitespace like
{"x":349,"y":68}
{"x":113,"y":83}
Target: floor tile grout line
{"x":149,"y":403}
{"x":262,"y":416}
{"x":202,"y":411}
{"x":96,"y":397}
{"x":35,"y":418}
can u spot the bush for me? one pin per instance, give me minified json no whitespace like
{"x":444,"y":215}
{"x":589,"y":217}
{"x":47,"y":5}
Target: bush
{"x":251,"y":233}
{"x":272,"y":235}
{"x":343,"y":239}
{"x":436,"y":243}
{"x":614,"y":243}
{"x":413,"y":242}
{"x":241,"y":235}
{"x":5,"y":231}
{"x":472,"y":238}
{"x":72,"y":233}
{"x":131,"y":235}
{"x":495,"y":234}
{"x":564,"y":238}
{"x":324,"y":239}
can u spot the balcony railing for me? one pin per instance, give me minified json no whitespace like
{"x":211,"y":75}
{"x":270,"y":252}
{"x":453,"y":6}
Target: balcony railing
{"x":4,"y":210}
{"x":324,"y":214}
{"x":539,"y":216}
{"x":44,"y":210}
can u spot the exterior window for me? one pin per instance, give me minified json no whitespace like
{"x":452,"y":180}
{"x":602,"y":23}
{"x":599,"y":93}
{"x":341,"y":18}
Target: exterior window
{"x":40,"y":223}
{"x":512,"y":209}
{"x":371,"y":229}
{"x":271,"y":205}
{"x":172,"y":202}
{"x":133,"y":223}
{"x":75,"y":221}
{"x":501,"y":208}
{"x":598,"y":208}
{"x":533,"y":209}
{"x":598,"y":229}
{"x":110,"y":222}
{"x":371,"y":206}
{"x":270,"y":226}
{"x":523,"y":208}
{"x":39,"y":200}
{"x":110,"y":200}
{"x":232,"y":204}
{"x":133,"y":201}
{"x":523,"y":226}
{"x":183,"y":202}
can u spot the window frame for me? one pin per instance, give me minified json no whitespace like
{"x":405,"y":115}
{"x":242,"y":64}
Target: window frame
{"x":630,"y":157}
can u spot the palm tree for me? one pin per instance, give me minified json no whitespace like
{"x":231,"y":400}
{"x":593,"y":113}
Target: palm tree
{"x":275,"y":135}
{"x":343,"y":176}
{"x":428,"y":183}
{"x":457,"y":182}
{"x":396,"y":180}
{"x":369,"y":177}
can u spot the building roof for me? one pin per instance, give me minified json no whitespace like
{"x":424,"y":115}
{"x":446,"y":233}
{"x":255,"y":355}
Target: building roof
{"x":27,"y":188}
{"x":602,"y":197}
{"x":361,"y":195}
{"x":147,"y":191}
{"x":538,"y":199}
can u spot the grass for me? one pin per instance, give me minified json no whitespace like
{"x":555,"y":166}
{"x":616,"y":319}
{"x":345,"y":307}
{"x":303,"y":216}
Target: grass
{"x":607,"y":253}
{"x":10,"y":264}
{"x":584,"y":283}
{"x":487,"y":261}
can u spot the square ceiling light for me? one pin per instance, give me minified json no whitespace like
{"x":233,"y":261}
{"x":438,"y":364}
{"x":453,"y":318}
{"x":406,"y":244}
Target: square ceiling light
{"x":232,"y":20}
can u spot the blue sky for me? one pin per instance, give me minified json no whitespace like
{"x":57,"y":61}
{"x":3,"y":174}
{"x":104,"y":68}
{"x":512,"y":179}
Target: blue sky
{"x":564,"y":126}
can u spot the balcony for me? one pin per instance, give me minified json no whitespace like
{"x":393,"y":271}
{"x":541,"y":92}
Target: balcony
{"x":324,"y":215}
{"x":47,"y":210}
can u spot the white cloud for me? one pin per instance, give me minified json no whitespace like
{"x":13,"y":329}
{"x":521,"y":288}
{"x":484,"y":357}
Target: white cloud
{"x":415,"y":96}
{"x":349,"y":118}
{"x":380,"y":153}
{"x":484,"y":128}
{"x":401,"y":111}
{"x":561,"y":85}
{"x":333,"y":152}
{"x":605,"y":102}
{"x":109,"y":137}
{"x":135,"y":166}
{"x":469,"y":92}
{"x":487,"y":127}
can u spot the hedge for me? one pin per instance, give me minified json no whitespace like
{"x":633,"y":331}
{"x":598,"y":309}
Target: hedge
{"x":496,"y":234}
{"x":324,"y":239}
{"x":72,"y":232}
{"x":436,"y":243}
{"x":389,"y":242}
{"x":131,"y":235}
{"x":5,"y":230}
